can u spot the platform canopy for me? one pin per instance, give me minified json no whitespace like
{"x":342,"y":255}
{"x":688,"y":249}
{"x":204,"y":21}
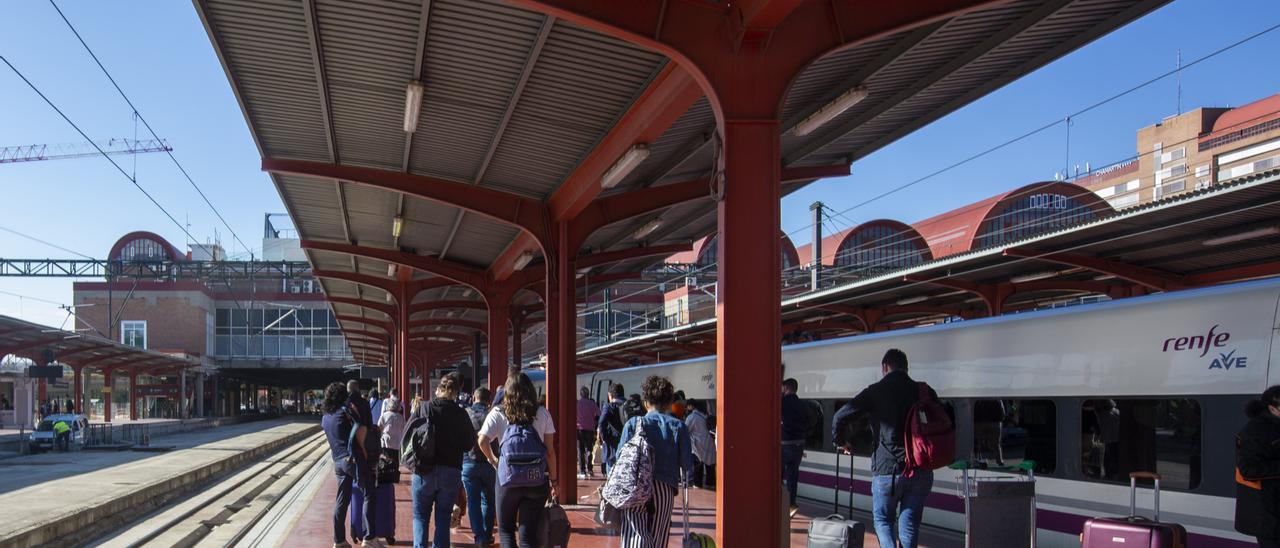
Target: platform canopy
{"x":522,"y":110}
{"x":40,"y":343}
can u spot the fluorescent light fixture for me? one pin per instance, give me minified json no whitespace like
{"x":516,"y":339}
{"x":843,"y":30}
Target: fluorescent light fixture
{"x":912,"y":300}
{"x":623,"y":167}
{"x":647,"y":228}
{"x":412,"y":105}
{"x":388,"y":297}
{"x":391,"y":270}
{"x":523,"y":260}
{"x":1103,"y":277}
{"x":1033,"y":277}
{"x":1246,"y":235}
{"x":466,"y":292}
{"x":829,"y":111}
{"x":396,"y":224}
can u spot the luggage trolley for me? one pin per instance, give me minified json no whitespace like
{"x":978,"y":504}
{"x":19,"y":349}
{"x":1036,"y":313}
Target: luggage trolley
{"x":999,"y":510}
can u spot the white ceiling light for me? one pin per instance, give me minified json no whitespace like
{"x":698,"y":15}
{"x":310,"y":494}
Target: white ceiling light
{"x":647,"y":228}
{"x":412,"y":105}
{"x":912,"y":300}
{"x":623,"y":167}
{"x":829,"y":111}
{"x":391,"y":270}
{"x":1033,"y":277}
{"x":466,"y":292}
{"x":523,"y":260}
{"x":1246,"y":235}
{"x":388,"y":297}
{"x":397,"y":223}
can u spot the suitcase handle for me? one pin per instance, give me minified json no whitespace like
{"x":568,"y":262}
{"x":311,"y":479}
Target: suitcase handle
{"x":1133,"y":492}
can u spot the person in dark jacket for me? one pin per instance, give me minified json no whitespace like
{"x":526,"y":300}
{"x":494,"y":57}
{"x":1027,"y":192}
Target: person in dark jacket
{"x":479,"y":479}
{"x":338,"y":423}
{"x":795,"y":428}
{"x":1258,"y":460}
{"x":436,"y":484}
{"x":610,"y":427}
{"x":897,"y":502}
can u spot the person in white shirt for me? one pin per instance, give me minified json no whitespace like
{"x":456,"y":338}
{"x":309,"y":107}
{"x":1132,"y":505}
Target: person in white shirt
{"x":519,"y":502}
{"x":704,"y":446}
{"x":391,"y":422}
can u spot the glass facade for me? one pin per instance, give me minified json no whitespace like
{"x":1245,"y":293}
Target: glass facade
{"x":277,"y":332}
{"x":878,"y":249}
{"x":1034,"y":214}
{"x":143,"y":249}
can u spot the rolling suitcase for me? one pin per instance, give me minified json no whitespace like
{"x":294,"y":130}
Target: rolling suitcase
{"x":555,"y":528}
{"x":1134,"y":530}
{"x":384,"y":513}
{"x":834,"y":531}
{"x":692,"y":540}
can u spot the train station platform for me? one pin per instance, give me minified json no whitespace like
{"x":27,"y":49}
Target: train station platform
{"x":11,"y":437}
{"x":71,"y":497}
{"x":314,"y":528}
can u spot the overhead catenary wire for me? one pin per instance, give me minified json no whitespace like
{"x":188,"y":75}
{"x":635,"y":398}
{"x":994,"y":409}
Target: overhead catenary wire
{"x":95,"y":145}
{"x":146,"y":124}
{"x":38,"y":240}
{"x":1052,"y":124}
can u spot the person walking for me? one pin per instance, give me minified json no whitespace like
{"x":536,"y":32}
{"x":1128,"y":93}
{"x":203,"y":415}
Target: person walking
{"x":1258,"y":461}
{"x":588,"y":418}
{"x":366,"y":459}
{"x":610,"y":427}
{"x":478,"y":476}
{"x":436,"y":483}
{"x":795,"y":428}
{"x":704,"y":448}
{"x":523,"y":430}
{"x":897,"y":501}
{"x":346,"y":437}
{"x":649,"y":525}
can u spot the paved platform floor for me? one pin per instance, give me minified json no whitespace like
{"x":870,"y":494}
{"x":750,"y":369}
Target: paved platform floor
{"x":314,"y":528}
{"x":37,"y":489}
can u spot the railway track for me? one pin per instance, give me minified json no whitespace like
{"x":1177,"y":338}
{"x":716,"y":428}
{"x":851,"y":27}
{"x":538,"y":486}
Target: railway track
{"x":224,"y":513}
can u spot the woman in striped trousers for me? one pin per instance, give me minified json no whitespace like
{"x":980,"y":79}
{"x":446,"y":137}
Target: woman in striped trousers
{"x":649,"y":525}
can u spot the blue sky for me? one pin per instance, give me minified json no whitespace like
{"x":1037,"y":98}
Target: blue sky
{"x":160,"y":54}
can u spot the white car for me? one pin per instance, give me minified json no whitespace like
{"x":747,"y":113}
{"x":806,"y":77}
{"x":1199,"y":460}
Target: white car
{"x":44,"y":438}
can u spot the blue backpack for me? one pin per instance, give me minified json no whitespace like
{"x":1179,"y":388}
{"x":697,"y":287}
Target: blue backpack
{"x":523,"y":462}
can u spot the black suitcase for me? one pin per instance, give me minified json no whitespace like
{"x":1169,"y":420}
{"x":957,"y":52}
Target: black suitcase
{"x":835,"y":531}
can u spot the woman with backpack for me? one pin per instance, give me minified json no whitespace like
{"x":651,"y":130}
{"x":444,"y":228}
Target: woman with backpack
{"x":1258,"y":461}
{"x":346,"y":437}
{"x":648,"y":525}
{"x":436,"y":483}
{"x":526,"y":462}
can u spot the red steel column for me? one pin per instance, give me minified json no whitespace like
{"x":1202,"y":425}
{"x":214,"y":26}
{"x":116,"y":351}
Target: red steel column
{"x":562,"y":377}
{"x":499,"y":315}
{"x":133,"y":395}
{"x":106,"y":395}
{"x":400,"y":361}
{"x":517,"y":338}
{"x":748,"y":337}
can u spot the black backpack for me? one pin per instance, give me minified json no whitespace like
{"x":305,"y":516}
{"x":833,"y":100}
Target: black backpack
{"x":632,"y":408}
{"x":813,"y":437}
{"x":418,"y":446}
{"x":612,"y":432}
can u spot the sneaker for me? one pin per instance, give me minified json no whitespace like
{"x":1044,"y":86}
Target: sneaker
{"x":581,"y":475}
{"x":794,"y":510}
{"x":455,"y":521}
{"x":341,"y":545}
{"x":373,"y":543}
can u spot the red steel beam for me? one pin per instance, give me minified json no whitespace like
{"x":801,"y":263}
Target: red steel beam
{"x":381,"y":324}
{"x":1141,"y":275}
{"x":606,"y":257}
{"x":413,"y":324}
{"x":1237,"y":274}
{"x":458,"y":273}
{"x":384,"y":308}
{"x":438,"y":305}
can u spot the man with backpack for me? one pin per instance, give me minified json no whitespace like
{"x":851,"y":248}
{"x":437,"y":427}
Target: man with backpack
{"x":795,"y":429}
{"x":910,"y":428}
{"x":479,"y":479}
{"x":610,"y":427}
{"x":437,"y":476}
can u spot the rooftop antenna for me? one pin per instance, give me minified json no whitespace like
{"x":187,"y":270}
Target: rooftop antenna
{"x":1179,"y":78}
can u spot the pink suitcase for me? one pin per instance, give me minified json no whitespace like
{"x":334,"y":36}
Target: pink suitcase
{"x":1134,"y":531}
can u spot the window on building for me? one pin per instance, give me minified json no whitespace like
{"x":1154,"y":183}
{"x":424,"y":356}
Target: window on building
{"x":1176,"y":186}
{"x":134,"y":332}
{"x":1011,"y":431}
{"x":1120,"y":436}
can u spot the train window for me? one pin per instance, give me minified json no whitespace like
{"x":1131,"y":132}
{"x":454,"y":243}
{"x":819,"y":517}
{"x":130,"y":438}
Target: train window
{"x":1120,"y":436}
{"x":1010,"y":431}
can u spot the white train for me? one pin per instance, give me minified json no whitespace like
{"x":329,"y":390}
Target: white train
{"x":1089,"y":392}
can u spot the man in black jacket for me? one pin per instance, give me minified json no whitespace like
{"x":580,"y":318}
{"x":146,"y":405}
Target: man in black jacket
{"x":436,"y":483}
{"x":897,"y":502}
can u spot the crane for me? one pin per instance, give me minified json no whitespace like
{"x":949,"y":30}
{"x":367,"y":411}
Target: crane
{"x":65,"y":151}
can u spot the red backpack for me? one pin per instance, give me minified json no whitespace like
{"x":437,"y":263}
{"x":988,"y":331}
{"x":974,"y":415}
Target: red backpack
{"x":930,"y":435}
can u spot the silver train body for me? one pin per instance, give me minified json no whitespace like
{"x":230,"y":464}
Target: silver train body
{"x":1208,"y":350}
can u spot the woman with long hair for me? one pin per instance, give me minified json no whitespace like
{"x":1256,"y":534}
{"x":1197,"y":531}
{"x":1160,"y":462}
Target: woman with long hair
{"x":526,"y":462}
{"x":649,"y":525}
{"x":337,"y":424}
{"x":1258,"y":461}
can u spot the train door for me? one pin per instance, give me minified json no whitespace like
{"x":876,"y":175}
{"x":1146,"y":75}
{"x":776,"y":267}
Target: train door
{"x":601,"y":389}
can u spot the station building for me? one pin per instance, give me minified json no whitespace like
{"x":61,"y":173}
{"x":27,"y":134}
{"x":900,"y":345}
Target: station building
{"x":1192,"y":151}
{"x":269,"y":329}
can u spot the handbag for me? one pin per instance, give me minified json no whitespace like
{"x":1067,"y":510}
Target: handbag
{"x":607,"y":516}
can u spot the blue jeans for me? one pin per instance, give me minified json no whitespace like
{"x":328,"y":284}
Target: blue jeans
{"x":479,"y":479}
{"x":439,"y":487}
{"x":901,"y":500}
{"x":791,"y":457}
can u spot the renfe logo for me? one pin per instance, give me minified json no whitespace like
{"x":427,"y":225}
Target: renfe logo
{"x":1198,"y":342}
{"x":1203,"y":343}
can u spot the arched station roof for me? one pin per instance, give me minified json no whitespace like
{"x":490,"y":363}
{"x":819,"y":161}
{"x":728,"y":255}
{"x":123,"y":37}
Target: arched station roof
{"x":878,"y":246}
{"x":144,"y":246}
{"x":1032,"y":209}
{"x":704,"y":252}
